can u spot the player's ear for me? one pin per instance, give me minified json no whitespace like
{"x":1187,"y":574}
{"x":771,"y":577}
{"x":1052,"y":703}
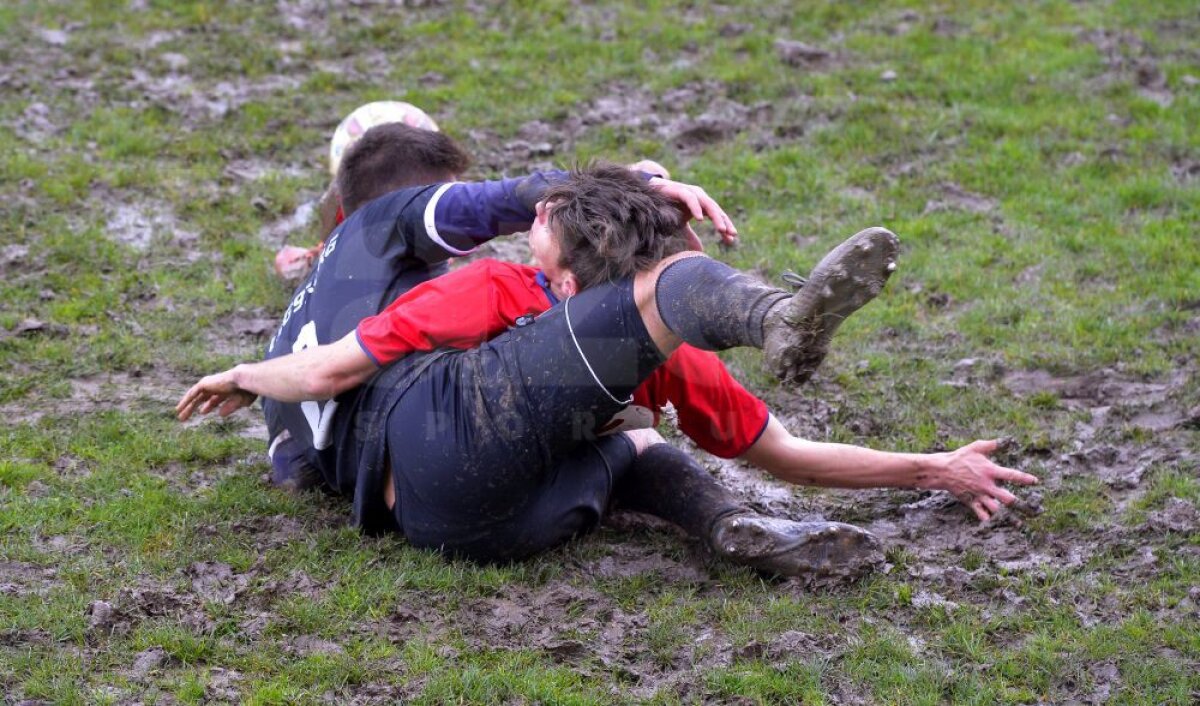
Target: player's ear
{"x":569,"y":285}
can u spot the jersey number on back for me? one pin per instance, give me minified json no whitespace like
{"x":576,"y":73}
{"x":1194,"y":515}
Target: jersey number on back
{"x":320,"y":417}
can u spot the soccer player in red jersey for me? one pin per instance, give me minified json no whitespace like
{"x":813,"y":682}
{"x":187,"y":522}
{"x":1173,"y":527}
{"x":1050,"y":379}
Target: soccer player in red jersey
{"x":500,"y":451}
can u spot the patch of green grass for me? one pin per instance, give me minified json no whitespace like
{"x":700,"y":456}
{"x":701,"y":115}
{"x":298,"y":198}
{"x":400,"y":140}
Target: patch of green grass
{"x":1082,"y":503}
{"x":1075,"y":251}
{"x":493,"y":676}
{"x":1165,"y":483}
{"x":893,"y":673}
{"x":795,"y":683}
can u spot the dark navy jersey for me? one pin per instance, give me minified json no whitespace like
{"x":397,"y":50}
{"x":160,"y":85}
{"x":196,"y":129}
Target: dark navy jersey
{"x":384,"y":249}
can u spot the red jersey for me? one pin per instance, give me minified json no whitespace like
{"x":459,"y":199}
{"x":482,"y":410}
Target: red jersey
{"x":489,"y":296}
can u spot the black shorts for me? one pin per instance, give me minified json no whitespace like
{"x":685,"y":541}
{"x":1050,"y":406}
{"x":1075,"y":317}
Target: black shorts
{"x":494,"y":451}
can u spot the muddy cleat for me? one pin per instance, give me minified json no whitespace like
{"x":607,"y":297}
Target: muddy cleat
{"x":809,"y":550}
{"x":796,"y":332}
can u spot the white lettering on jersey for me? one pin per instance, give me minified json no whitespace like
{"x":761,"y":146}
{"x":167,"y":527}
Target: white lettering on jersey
{"x":298,"y":301}
{"x":320,"y":417}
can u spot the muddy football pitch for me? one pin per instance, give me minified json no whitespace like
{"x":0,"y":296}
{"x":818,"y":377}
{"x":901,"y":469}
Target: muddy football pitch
{"x":1040,"y":161}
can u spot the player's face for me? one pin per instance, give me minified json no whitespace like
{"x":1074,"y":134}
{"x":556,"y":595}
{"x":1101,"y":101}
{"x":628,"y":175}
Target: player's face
{"x":547,"y":253}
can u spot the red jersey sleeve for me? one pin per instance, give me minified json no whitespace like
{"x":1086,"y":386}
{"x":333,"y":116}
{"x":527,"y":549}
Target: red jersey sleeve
{"x":460,"y":310}
{"x":715,"y":411}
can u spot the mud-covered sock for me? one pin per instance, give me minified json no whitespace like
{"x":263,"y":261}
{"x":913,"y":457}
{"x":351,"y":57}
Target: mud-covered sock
{"x":712,"y":306}
{"x":668,"y":483}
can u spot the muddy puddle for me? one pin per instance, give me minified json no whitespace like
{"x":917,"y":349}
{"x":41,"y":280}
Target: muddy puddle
{"x":1125,"y":430}
{"x":1129,"y":429}
{"x":299,"y":226}
{"x":109,"y":391}
{"x":141,"y":223}
{"x":688,"y":117}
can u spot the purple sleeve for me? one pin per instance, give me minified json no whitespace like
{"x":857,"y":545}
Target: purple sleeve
{"x":462,"y":216}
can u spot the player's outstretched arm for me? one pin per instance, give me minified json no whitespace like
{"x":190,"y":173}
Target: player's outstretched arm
{"x":967,"y":473}
{"x":317,"y":373}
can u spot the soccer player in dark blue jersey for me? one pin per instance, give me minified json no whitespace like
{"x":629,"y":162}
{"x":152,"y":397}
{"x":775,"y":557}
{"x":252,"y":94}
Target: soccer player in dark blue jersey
{"x":479,"y":453}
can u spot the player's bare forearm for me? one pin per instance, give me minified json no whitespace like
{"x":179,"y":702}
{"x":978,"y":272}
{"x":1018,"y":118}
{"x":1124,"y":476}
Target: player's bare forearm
{"x":829,"y":465}
{"x":317,"y":373}
{"x":967,"y":473}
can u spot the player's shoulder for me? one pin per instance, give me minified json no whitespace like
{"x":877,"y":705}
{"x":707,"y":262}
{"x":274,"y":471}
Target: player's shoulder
{"x":687,"y":356}
{"x":387,"y":205}
{"x":502,"y":268}
{"x":508,"y":279}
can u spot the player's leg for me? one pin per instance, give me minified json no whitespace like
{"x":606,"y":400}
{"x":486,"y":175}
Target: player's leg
{"x":563,"y":376}
{"x":290,"y":467}
{"x":483,"y":508}
{"x":661,"y":480}
{"x":566,"y":501}
{"x":666,"y":482}
{"x":482,"y":429}
{"x":712,"y":306}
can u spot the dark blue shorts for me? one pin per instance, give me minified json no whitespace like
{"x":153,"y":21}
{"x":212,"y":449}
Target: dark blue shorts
{"x":493,"y":451}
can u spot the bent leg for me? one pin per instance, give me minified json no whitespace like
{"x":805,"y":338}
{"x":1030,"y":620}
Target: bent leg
{"x":505,"y":415}
{"x":567,"y":501}
{"x":666,"y":482}
{"x":580,"y":361}
{"x":691,"y":298}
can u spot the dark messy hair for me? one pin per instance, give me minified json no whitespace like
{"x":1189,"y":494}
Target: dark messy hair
{"x":611,"y":224}
{"x":392,"y":156}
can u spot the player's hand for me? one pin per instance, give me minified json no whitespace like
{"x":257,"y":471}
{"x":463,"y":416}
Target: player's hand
{"x":213,"y":392}
{"x":975,"y":480}
{"x":699,"y":204}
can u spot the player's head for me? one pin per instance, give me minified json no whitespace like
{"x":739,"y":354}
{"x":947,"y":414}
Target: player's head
{"x":392,"y":156}
{"x":604,"y":223}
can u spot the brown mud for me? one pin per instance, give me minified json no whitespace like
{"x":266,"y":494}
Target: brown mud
{"x":1126,"y":430}
{"x":954,"y":197}
{"x":1129,"y":61}
{"x":124,"y":392}
{"x":693,"y":115}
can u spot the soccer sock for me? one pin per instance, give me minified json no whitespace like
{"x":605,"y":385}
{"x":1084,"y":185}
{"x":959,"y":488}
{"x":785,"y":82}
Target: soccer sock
{"x":713,"y":306}
{"x":666,"y":482}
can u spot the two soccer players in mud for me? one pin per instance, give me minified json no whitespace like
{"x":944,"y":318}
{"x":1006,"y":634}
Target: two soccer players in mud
{"x":498,"y":410}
